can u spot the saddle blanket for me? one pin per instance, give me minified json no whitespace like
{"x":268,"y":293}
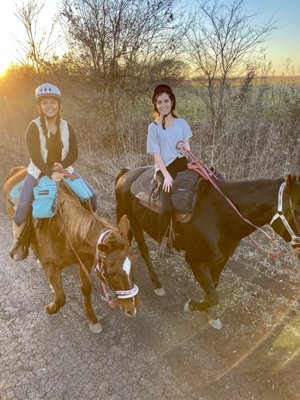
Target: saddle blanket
{"x":14,"y":194}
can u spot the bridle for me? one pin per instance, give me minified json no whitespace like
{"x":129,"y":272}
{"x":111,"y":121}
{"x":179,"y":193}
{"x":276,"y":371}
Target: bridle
{"x":295,"y":239}
{"x":111,"y":295}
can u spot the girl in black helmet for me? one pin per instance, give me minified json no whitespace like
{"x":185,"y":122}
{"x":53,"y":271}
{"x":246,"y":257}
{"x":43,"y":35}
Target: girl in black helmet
{"x":163,"y":135}
{"x":51,"y":144}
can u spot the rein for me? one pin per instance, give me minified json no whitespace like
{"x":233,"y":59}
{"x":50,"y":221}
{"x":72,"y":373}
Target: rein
{"x":210,"y":176}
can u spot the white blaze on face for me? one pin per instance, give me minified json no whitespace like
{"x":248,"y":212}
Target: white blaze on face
{"x":127,"y":266}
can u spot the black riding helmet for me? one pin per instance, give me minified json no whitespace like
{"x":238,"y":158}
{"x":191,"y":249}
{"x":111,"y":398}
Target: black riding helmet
{"x":163,"y":89}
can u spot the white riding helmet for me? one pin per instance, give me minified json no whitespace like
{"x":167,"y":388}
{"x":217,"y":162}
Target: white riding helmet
{"x":47,"y":90}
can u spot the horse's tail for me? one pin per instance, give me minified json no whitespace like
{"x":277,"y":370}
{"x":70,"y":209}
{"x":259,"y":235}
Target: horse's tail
{"x":121,"y":173}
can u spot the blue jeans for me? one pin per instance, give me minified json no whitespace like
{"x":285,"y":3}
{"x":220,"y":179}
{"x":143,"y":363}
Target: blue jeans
{"x":26,"y":198}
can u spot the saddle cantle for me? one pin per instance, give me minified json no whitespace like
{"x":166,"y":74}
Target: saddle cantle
{"x":146,"y":188}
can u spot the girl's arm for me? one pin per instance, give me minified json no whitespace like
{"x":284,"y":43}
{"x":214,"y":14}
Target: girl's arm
{"x":168,"y":181}
{"x":73,"y":149}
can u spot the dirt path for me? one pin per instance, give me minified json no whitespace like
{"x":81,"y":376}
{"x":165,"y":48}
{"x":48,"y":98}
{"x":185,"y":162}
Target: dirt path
{"x":164,"y":353}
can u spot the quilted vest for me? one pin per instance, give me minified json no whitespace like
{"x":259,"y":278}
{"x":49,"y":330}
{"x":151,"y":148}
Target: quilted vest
{"x":64,"y":133}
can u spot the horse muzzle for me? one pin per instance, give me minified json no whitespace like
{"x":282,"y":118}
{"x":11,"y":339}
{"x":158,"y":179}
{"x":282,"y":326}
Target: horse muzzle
{"x":19,"y":252}
{"x":128,"y":301}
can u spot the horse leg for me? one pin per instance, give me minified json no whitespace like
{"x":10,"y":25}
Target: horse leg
{"x":53,"y":275}
{"x":202,"y":273}
{"x":217,"y":269}
{"x":86,"y":289}
{"x":143,"y":248}
{"x":208,"y":281}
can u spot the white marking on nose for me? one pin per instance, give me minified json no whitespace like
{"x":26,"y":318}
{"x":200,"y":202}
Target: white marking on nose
{"x":127,"y":266}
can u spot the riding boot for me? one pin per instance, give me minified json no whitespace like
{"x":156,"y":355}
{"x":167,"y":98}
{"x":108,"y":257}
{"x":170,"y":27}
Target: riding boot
{"x":19,"y":250}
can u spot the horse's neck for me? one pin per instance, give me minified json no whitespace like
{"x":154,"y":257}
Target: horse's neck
{"x":256,"y":200}
{"x":100,"y":226}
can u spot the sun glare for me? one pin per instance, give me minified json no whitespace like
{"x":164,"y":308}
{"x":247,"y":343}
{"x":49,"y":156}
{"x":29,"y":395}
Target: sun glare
{"x":3,"y":70}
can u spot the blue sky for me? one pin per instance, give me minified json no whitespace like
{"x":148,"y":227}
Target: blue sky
{"x":284,"y":42}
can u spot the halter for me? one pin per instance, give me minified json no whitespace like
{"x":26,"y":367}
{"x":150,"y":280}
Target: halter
{"x":295,"y":240}
{"x":120,"y":294}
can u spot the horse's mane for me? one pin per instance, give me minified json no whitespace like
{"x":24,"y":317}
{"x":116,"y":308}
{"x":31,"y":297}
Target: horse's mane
{"x":77,"y":219}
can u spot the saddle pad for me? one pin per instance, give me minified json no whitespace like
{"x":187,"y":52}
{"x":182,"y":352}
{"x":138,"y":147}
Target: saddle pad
{"x":142,"y":189}
{"x":45,"y":196}
{"x":14,"y":194}
{"x":79,"y":188}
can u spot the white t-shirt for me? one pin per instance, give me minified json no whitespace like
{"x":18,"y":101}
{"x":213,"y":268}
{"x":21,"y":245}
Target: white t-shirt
{"x":164,"y":141}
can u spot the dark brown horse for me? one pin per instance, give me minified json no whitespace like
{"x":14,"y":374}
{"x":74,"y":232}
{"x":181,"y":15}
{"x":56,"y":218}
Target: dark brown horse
{"x":215,"y":230}
{"x":76,"y":235}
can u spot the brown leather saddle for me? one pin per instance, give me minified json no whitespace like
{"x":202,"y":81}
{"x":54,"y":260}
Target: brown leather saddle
{"x":146,"y":189}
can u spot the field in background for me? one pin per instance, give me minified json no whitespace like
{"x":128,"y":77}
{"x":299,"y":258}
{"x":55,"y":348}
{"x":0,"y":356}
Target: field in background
{"x":260,"y":134}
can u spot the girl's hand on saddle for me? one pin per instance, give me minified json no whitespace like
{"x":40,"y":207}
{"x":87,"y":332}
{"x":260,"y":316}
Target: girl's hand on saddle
{"x":57,"y":176}
{"x":168,"y":182}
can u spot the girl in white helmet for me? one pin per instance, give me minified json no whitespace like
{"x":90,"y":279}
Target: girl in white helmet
{"x":51,"y":143}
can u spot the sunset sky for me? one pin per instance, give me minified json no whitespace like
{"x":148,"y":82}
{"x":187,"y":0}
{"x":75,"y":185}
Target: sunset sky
{"x":284,"y":44}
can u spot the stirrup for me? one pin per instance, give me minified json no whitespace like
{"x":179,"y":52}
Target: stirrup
{"x":167,"y":240}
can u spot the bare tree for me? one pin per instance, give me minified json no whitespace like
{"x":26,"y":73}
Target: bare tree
{"x":221,"y":43}
{"x":116,"y":46}
{"x":40,"y":43}
{"x":119,"y":42}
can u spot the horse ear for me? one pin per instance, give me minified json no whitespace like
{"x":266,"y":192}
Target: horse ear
{"x":124,"y":226}
{"x":103,"y":247}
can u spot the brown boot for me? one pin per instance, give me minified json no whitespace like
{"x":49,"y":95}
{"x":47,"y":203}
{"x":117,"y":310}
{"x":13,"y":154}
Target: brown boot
{"x":19,"y":250}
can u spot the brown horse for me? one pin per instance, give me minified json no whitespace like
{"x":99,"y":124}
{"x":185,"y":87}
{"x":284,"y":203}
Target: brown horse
{"x":216,"y":229}
{"x":75,"y":235}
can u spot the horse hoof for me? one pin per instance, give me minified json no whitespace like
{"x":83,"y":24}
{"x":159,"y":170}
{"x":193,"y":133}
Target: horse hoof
{"x":160,"y":291}
{"x":51,"y":308}
{"x":215,"y":323}
{"x":186,"y":307}
{"x":95,"y":328}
